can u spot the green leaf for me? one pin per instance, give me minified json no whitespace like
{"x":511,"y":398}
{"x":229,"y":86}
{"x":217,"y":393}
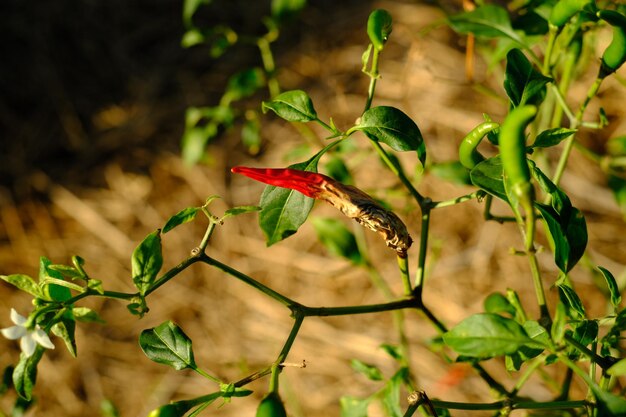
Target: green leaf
{"x":177,"y":409}
{"x":369,"y":371}
{"x":586,"y":332}
{"x":608,"y":405}
{"x":379,"y":26}
{"x":487,"y":335}
{"x":569,"y":234}
{"x":65,"y":329}
{"x":284,"y":210}
{"x":339,"y":241}
{"x":391,"y":393}
{"x":618,"y":369}
{"x":337,"y":169}
{"x":571,"y":300}
{"x":354,"y":407}
{"x":183,"y":216}
{"x":236,"y":211}
{"x":59,"y":291}
{"x":611,"y":283}
{"x":523,"y":84}
{"x":286,"y":9}
{"x":452,"y":171}
{"x":169,"y":345}
{"x":244,"y":83}
{"x":488,"y":21}
{"x":147,"y":261}
{"x":498,"y":303}
{"x":487,"y":175}
{"x":189,"y":9}
{"x":86,"y":315}
{"x":25,"y":373}
{"x":394,"y":351}
{"x":394,"y":128}
{"x":293,"y":106}
{"x":552,"y":137}
{"x":24,"y":283}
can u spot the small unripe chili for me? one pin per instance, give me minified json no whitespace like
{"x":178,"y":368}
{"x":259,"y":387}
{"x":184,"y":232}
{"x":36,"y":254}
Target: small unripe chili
{"x":512,"y":143}
{"x":615,"y":54}
{"x":468,"y":154}
{"x":271,"y":406}
{"x":564,"y":10}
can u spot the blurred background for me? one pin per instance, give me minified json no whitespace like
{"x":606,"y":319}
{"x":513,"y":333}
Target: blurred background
{"x":93,"y":97}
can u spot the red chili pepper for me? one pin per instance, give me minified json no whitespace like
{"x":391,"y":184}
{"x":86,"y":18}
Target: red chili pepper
{"x":351,"y":201}
{"x":308,"y":183}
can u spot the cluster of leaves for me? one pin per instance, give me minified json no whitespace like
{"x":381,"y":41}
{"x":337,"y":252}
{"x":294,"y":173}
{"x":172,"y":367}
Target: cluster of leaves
{"x":203,"y":124}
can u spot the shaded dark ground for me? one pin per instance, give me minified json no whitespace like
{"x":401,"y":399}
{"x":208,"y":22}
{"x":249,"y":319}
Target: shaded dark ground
{"x":92,"y":101}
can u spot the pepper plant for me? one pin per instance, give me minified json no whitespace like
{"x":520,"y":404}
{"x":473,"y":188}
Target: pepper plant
{"x":540,"y":43}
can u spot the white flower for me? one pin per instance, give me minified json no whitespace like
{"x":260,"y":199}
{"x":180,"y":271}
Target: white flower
{"x":29,"y":338}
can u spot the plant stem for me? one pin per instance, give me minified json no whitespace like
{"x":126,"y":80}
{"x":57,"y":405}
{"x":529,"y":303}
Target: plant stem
{"x":569,"y":142}
{"x":276,"y":367}
{"x":359,"y":309}
{"x":447,"y":203}
{"x":423,"y":249}
{"x":373,"y":74}
{"x":513,"y":405}
{"x":399,"y":172}
{"x":172,"y":273}
{"x":248,"y":280}
{"x":604,"y":362}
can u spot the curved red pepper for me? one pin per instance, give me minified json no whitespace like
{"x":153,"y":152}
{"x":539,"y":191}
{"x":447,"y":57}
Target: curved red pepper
{"x":308,"y":183}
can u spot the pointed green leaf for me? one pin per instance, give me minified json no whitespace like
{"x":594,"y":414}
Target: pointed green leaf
{"x":523,"y":84}
{"x":569,"y":234}
{"x":293,"y":106}
{"x":168,"y":344}
{"x":86,"y":315}
{"x":391,"y":393}
{"x":58,"y":291}
{"x":339,"y":241}
{"x":284,"y":210}
{"x":487,"y":335}
{"x":379,"y":26}
{"x":571,"y":300}
{"x":236,"y":211}
{"x":394,"y":128}
{"x":498,"y":303}
{"x":369,"y":371}
{"x":147,"y":261}
{"x":488,"y":21}
{"x":487,"y":175}
{"x":552,"y":137}
{"x":24,"y":283}
{"x":25,"y":373}
{"x":618,"y":369}
{"x":65,"y":329}
{"x":611,"y":283}
{"x":183,"y":216}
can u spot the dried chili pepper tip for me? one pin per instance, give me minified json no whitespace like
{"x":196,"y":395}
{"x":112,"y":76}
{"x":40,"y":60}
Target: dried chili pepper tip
{"x":308,"y":183}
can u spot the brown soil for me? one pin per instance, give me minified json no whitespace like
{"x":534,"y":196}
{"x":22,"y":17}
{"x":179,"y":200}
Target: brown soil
{"x":91,"y":165}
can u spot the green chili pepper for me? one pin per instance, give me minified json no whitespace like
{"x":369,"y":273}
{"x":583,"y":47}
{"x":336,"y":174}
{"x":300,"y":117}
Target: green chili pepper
{"x":615,"y":54}
{"x":512,"y":142}
{"x":564,"y":10}
{"x":271,"y":406}
{"x":379,"y":28}
{"x":468,"y":154}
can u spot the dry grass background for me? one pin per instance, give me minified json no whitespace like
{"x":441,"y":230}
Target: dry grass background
{"x":114,"y":175}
